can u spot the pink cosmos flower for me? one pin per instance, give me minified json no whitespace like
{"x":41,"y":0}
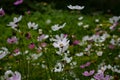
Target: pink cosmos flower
{"x":31,"y":46}
{"x":43,"y":44}
{"x":12,"y":40}
{"x":2,"y":13}
{"x":85,"y":65}
{"x":86,"y":73}
{"x":111,"y":46}
{"x":76,"y":42}
{"x":28,"y":35}
{"x":18,"y":2}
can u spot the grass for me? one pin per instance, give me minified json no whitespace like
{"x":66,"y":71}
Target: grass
{"x":31,"y":69}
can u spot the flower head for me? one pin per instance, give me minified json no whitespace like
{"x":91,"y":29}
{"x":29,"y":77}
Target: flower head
{"x":77,"y":7}
{"x":17,"y":2}
{"x":57,"y":27}
{"x":12,"y":40}
{"x":14,"y":75}
{"x":32,"y":25}
{"x":86,"y":73}
{"x":2,"y":12}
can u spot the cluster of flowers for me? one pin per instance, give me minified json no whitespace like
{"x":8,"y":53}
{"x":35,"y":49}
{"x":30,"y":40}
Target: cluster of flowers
{"x":93,"y":45}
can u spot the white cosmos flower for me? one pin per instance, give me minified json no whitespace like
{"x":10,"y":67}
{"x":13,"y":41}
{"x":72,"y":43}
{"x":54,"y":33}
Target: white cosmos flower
{"x":79,"y":54}
{"x":57,"y":27}
{"x":14,"y":75}
{"x":58,"y":67}
{"x":3,"y":52}
{"x":80,"y":23}
{"x":114,"y":19}
{"x":14,"y":24}
{"x":77,"y":7}
{"x":80,"y":18}
{"x":32,"y":25}
{"x":99,"y":53}
{"x":67,"y":59}
{"x":61,"y":42}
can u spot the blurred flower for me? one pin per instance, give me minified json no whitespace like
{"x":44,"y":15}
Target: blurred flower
{"x":111,"y":46}
{"x":85,"y":65}
{"x":80,"y":18}
{"x":86,"y":73}
{"x":77,"y":7}
{"x":31,"y":46}
{"x":3,"y":52}
{"x":101,"y":76}
{"x":57,"y":27}
{"x":99,"y":53}
{"x":43,"y":44}
{"x":32,"y":25}
{"x":96,"y":20}
{"x":12,"y":40}
{"x":48,"y":21}
{"x":28,"y":35}
{"x":67,"y":59}
{"x":17,"y":52}
{"x":17,"y":2}
{"x":42,"y":37}
{"x":80,"y":23}
{"x":79,"y":54}
{"x":114,"y":19}
{"x":14,"y":24}
{"x":2,"y":12}
{"x":14,"y":76}
{"x":76,"y":42}
{"x":36,"y":56}
{"x":58,"y":67}
{"x":86,"y":26}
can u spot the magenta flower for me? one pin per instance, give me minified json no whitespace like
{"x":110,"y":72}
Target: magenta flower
{"x":12,"y":40}
{"x":31,"y":46}
{"x":18,"y":2}
{"x":2,"y":12}
{"x":28,"y":35}
{"x":100,"y":76}
{"x":85,"y":65}
{"x":76,"y":42}
{"x":86,"y":73}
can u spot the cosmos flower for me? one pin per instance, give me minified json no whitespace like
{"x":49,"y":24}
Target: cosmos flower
{"x":3,"y":52}
{"x":58,"y":67}
{"x":32,"y":25}
{"x":61,"y":42}
{"x":17,"y":2}
{"x":2,"y":12}
{"x":76,"y":42}
{"x":31,"y":46}
{"x":101,"y":76}
{"x":114,"y":19}
{"x":42,"y":37}
{"x":85,"y":65}
{"x":77,"y":7}
{"x":14,"y":23}
{"x":12,"y":40}
{"x":17,"y":52}
{"x":14,"y":75}
{"x":57,"y":27}
{"x":86,"y":73}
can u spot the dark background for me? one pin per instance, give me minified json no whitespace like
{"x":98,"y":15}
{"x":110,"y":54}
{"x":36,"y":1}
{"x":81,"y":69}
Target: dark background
{"x":104,"y":6}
